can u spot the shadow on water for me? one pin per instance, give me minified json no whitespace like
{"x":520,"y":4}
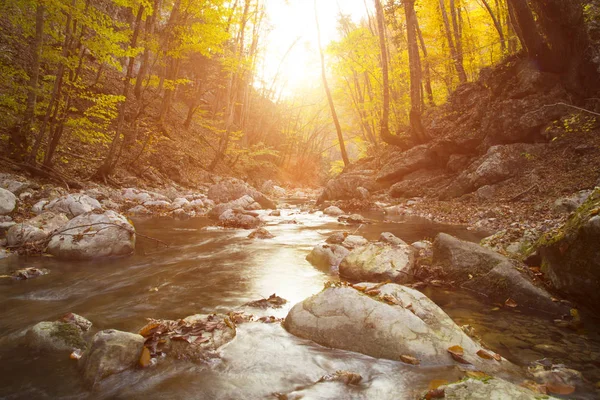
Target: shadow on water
{"x":206,"y":269}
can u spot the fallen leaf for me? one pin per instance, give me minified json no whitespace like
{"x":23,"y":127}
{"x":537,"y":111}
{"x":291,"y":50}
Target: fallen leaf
{"x":484,"y":354}
{"x":435,"y":394}
{"x":559,"y":388}
{"x":477,"y":375}
{"x":145,"y":358}
{"x":76,"y":354}
{"x":459,"y":351}
{"x":554,"y":299}
{"x":388,"y":298}
{"x":497,"y":357}
{"x":372,"y":292}
{"x":359,"y":288}
{"x":147,"y":330}
{"x":436,"y":383}
{"x":409,"y":359}
{"x":510,"y":303}
{"x":495,"y":308}
{"x":534,"y":387}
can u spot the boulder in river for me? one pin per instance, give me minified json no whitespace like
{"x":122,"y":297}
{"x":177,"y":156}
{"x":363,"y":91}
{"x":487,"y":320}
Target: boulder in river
{"x":243,"y":203}
{"x":327,"y":256}
{"x":93,"y":235}
{"x":486,"y":272}
{"x":487,"y":388}
{"x":110,"y":352}
{"x":261,"y":233}
{"x":353,"y":241}
{"x":571,"y":255}
{"x":8,"y":202}
{"x":232,"y":189}
{"x":333,"y":211}
{"x":239,"y":219}
{"x":379,"y":261}
{"x":386,"y":321}
{"x":65,"y":334}
{"x":73,"y":205}
{"x":36,"y":229}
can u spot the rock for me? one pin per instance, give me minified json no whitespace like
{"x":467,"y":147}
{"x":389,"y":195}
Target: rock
{"x":352,"y":219}
{"x":337,"y":238}
{"x":133,"y":195}
{"x":424,"y":248}
{"x":458,"y":162}
{"x":571,"y":203}
{"x":278,"y":191}
{"x":239,"y":219}
{"x":276,"y":213}
{"x":353,"y":241}
{"x":158,"y":204}
{"x":14,"y":186}
{"x":243,"y":203}
{"x":183,"y":214}
{"x":111,"y":352}
{"x":498,"y":164}
{"x":36,"y":229}
{"x":138,"y":211}
{"x":363,"y":192}
{"x":6,"y":225}
{"x":397,"y":322}
{"x":197,"y":205}
{"x":489,"y":389}
{"x":73,"y":205}
{"x":8,"y":202}
{"x":333,"y":211}
{"x":571,"y":255}
{"x":261,"y":233}
{"x":349,"y":185}
{"x":387,"y":237}
{"x":378,"y":262}
{"x":327,"y":256}
{"x":179,"y":202}
{"x":486,"y":192}
{"x":232,"y":189}
{"x":62,"y":335}
{"x":411,"y":160}
{"x":38,"y":207}
{"x":484,"y":271}
{"x":93,"y":235}
{"x":28,"y":273}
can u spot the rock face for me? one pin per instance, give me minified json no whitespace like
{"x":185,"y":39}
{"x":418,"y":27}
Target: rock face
{"x":233,"y":189}
{"x":92,"y":235}
{"x":378,"y":262}
{"x":8,"y":202}
{"x":239,"y":219}
{"x":416,"y":158}
{"x":398,"y":322}
{"x":73,"y":205}
{"x":571,"y":257}
{"x":327,"y":256}
{"x":487,"y":272}
{"x":36,"y":229}
{"x":110,"y":352}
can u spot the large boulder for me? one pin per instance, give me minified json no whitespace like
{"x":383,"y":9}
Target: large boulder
{"x":571,"y":255}
{"x":239,"y":219}
{"x":94,"y":235}
{"x":498,"y":164}
{"x":349,"y":185}
{"x":490,"y":274}
{"x":65,"y":334}
{"x":418,"y":157}
{"x":243,"y":203}
{"x":327,"y":256}
{"x":489,"y":389}
{"x":111,"y":352}
{"x":8,"y":202}
{"x":390,"y":321}
{"x":380,"y":261}
{"x":232,"y":189}
{"x":73,"y":205}
{"x":36,"y":229}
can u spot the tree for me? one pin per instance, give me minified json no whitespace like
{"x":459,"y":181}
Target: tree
{"x":454,"y":51}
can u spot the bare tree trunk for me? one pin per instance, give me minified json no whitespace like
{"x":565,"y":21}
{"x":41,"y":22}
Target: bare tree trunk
{"x":497,"y":25}
{"x":149,"y":31}
{"x":426,"y":66}
{"x":336,"y":122}
{"x":460,"y":70}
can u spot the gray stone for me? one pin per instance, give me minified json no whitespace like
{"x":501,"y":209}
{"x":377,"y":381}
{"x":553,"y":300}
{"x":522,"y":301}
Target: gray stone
{"x":239,"y":219}
{"x":489,"y":389}
{"x":353,"y":241}
{"x":261,"y":233}
{"x":111,"y":352}
{"x":571,"y":203}
{"x":232,"y":189}
{"x":138,"y":210}
{"x":378,"y":262}
{"x":337,"y":238}
{"x":62,"y":335}
{"x":333,"y":211}
{"x":243,"y":203}
{"x":327,"y":256}
{"x":387,"y":237}
{"x":92,"y":235}
{"x":36,"y":229}
{"x":486,"y":192}
{"x":73,"y":205}
{"x":8,"y":202}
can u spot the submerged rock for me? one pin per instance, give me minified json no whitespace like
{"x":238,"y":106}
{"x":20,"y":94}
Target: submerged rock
{"x":380,"y":261}
{"x":36,"y":229}
{"x":94,"y":235}
{"x":261,"y":233}
{"x":397,"y":323}
{"x":110,"y":352}
{"x":327,"y":256}
{"x":243,"y":203}
{"x":486,"y":272}
{"x":8,"y":202}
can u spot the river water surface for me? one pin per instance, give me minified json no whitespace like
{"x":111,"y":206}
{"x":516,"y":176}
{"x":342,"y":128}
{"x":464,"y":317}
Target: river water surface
{"x":205,"y":270}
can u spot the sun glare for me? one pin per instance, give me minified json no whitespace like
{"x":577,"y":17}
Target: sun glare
{"x":291,"y":57}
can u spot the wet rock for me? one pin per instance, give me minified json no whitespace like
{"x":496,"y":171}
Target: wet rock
{"x":73,"y":205}
{"x":333,"y":211}
{"x":337,"y":238}
{"x":92,"y":235}
{"x":397,"y":321}
{"x":8,"y":202}
{"x":36,"y":229}
{"x":276,"y":213}
{"x":62,"y":335}
{"x":232,"y":189}
{"x":378,"y":262}
{"x":158,"y":205}
{"x":387,"y":237}
{"x":484,"y":271}
{"x":327,"y":256}
{"x":261,"y":233}
{"x":29,"y":273}
{"x":353,"y":241}
{"x":273,"y":301}
{"x":352,"y":219}
{"x":138,"y":211}
{"x":183,"y":214}
{"x":571,"y":255}
{"x":349,"y":185}
{"x":111,"y":351}
{"x":488,"y":389}
{"x":239,"y":219}
{"x":243,"y":203}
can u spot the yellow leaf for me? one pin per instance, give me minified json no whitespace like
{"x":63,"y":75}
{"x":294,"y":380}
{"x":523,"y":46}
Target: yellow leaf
{"x":510,"y":303}
{"x":459,"y":351}
{"x":484,"y":354}
{"x":409,"y":360}
{"x":145,"y":357}
{"x":477,"y":375}
{"x":436,"y":383}
{"x":559,"y":388}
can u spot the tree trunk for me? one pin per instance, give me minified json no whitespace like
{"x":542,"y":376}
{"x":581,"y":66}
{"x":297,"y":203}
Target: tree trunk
{"x":497,"y":25}
{"x":426,"y":66}
{"x":336,"y":122}
{"x":460,"y":70}
{"x":385,"y":133}
{"x":145,"y":64}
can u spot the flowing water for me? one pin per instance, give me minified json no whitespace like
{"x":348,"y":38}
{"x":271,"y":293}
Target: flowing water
{"x":206,"y":269}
